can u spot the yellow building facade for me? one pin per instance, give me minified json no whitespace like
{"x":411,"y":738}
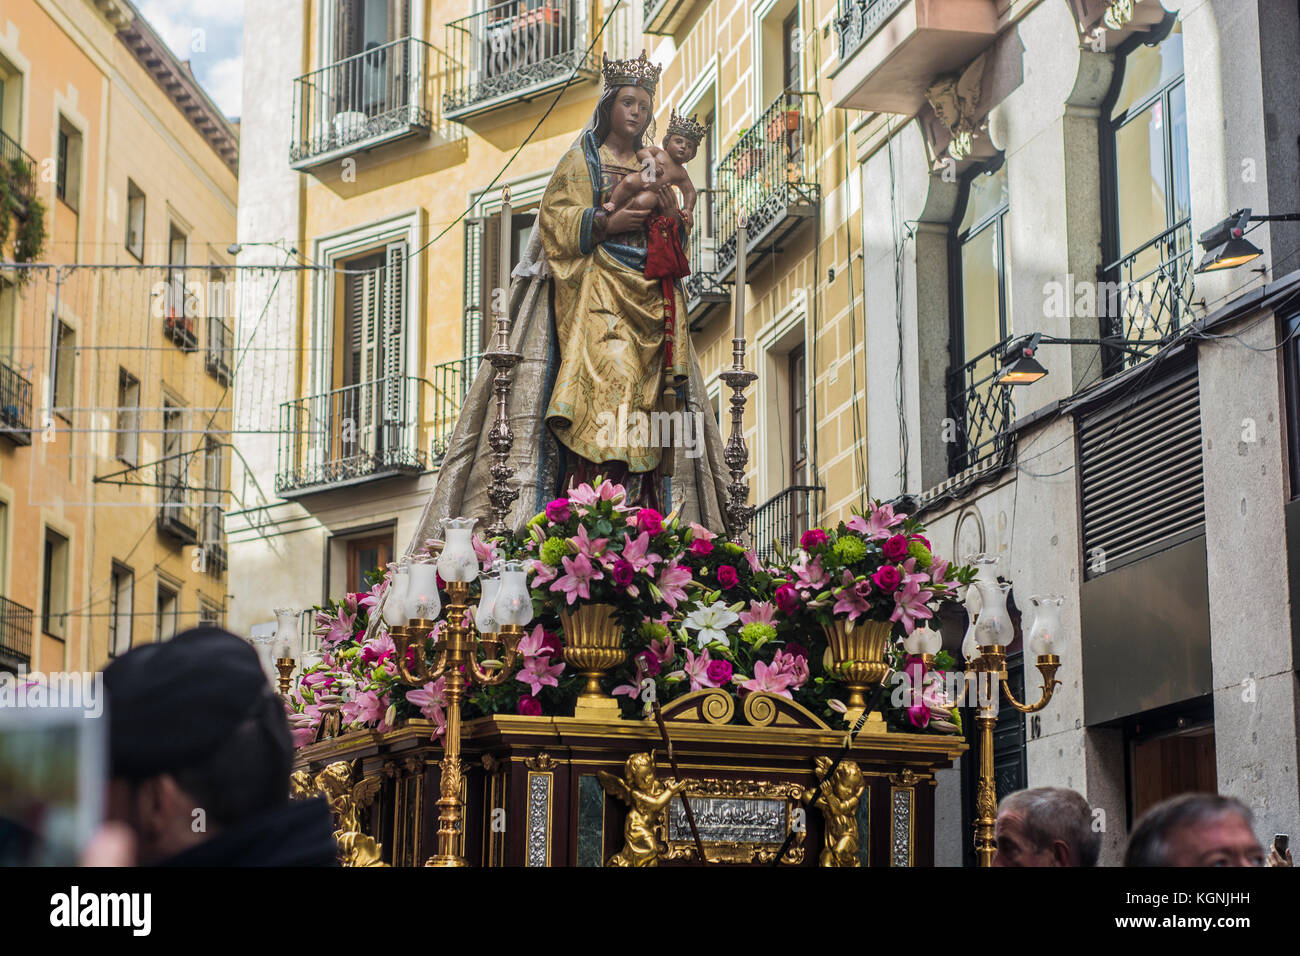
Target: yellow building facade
{"x":114,"y":467}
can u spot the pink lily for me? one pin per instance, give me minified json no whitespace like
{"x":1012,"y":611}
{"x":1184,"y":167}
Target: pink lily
{"x":637,"y":552}
{"x":534,"y":644}
{"x":543,"y":573}
{"x":536,"y":673}
{"x":585,"y":546}
{"x":671,"y":579}
{"x":697,"y":669}
{"x":701,"y":533}
{"x":877,"y":523}
{"x":760,"y":612}
{"x":576,"y":581}
{"x":809,"y":575}
{"x":769,"y":679}
{"x":665,"y":651}
{"x":909,"y":606}
{"x":340,"y":628}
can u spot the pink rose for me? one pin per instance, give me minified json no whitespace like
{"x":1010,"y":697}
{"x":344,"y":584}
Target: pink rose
{"x":895,"y":548}
{"x":701,"y":547}
{"x":529,"y":707}
{"x":623,"y":572}
{"x":812,"y":538}
{"x":787,"y":599}
{"x":719,"y":672}
{"x":887,"y":578}
{"x":727,"y":576}
{"x":649,"y":520}
{"x":558,"y":510}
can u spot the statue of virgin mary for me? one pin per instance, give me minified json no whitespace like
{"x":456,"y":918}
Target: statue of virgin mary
{"x":597,"y":353}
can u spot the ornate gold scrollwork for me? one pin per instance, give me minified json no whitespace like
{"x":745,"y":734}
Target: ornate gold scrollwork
{"x":541,"y":763}
{"x":710,"y":706}
{"x":647,"y":798}
{"x":773,"y":710}
{"x":838,"y":796}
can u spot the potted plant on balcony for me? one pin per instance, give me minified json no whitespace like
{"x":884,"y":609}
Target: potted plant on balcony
{"x":18,"y":203}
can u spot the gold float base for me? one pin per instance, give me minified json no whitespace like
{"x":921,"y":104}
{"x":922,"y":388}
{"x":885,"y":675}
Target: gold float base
{"x":875,"y":721}
{"x":441,"y":860}
{"x":596,"y":708}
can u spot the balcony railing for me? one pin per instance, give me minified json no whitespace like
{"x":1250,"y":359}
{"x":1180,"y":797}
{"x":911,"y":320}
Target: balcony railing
{"x":665,"y":16}
{"x":220,"y":350}
{"x":858,"y":20}
{"x":214,"y":538}
{"x":513,"y":51}
{"x":1147,"y":296}
{"x":767,"y":176}
{"x":451,"y":381}
{"x":981,"y":410}
{"x":782,"y":519}
{"x":177,"y":518}
{"x":360,"y":102}
{"x":15,"y":406}
{"x":15,"y":632}
{"x":703,"y":288}
{"x":20,"y":168}
{"x":352,"y":434}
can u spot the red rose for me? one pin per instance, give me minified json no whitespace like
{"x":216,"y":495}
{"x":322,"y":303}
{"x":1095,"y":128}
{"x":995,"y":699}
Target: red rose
{"x":551,"y":643}
{"x":924,"y":540}
{"x":701,"y":547}
{"x":812,"y":538}
{"x":896,"y":548}
{"x":787,"y":599}
{"x":648,"y":663}
{"x":647,"y":519}
{"x":727,"y":576}
{"x":529,"y":707}
{"x":719,"y":671}
{"x":623,"y":572}
{"x":795,"y":649}
{"x":887,"y":578}
{"x":558,"y":510}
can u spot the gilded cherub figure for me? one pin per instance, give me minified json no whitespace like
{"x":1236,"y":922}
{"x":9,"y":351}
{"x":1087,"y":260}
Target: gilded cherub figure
{"x":838,"y":795}
{"x":647,"y":799}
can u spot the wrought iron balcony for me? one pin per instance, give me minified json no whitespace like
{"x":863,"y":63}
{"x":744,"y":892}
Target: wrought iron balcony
{"x":890,"y":51}
{"x":1146,"y":296}
{"x":781,"y":520}
{"x":513,"y":51}
{"x":768,"y":177}
{"x":361,"y":102}
{"x":15,"y":406}
{"x":451,"y":382}
{"x":349,"y":435}
{"x":703,"y":289}
{"x":214,"y":539}
{"x":983,"y":413}
{"x":177,"y":518}
{"x":220,"y":350}
{"x":15,"y":633}
{"x":665,"y":16}
{"x":20,"y":169}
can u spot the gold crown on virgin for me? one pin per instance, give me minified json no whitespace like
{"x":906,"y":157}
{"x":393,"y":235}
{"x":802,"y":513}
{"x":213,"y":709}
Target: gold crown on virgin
{"x":639,"y":72}
{"x":679,"y":125}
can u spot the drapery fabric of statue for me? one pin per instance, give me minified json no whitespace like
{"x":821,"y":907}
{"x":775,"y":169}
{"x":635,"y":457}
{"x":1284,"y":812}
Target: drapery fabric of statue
{"x":609,"y":319}
{"x":609,"y":272}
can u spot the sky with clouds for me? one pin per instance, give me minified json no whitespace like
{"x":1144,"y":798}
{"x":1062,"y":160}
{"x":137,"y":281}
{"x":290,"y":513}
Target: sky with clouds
{"x":208,"y":33}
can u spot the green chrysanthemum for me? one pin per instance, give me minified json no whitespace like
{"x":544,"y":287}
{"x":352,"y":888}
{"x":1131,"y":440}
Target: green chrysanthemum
{"x":732,"y":548}
{"x":653,"y":630}
{"x":756,"y":632}
{"x":553,"y":549}
{"x":922,"y":554}
{"x":849,"y":549}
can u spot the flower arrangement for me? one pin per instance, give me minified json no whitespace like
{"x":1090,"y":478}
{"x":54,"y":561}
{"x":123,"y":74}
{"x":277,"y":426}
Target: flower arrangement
{"x":694,"y":611}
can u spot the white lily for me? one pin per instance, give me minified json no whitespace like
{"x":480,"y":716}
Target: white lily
{"x":711,"y":622}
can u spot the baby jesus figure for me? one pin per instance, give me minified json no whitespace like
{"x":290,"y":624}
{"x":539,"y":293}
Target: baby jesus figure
{"x":662,"y":166}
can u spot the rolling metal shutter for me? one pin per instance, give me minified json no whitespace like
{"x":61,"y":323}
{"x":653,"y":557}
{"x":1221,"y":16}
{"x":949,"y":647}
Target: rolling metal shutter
{"x":1141,"y":481}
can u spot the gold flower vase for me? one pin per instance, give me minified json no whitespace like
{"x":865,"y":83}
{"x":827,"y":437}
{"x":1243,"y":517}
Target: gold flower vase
{"x":858,"y":654}
{"x":593,"y":643}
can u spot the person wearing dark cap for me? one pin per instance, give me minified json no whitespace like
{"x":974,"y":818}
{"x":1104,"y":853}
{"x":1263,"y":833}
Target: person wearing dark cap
{"x":200,"y":756}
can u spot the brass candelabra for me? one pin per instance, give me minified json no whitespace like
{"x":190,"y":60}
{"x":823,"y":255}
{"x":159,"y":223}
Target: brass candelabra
{"x":457,"y":655}
{"x":992,"y":661}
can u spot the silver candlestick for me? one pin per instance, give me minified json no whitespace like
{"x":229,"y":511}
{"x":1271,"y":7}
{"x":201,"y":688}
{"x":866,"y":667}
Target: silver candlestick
{"x":501,"y":438}
{"x":736,"y":453}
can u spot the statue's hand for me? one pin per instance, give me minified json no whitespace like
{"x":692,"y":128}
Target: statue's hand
{"x":626,"y":219}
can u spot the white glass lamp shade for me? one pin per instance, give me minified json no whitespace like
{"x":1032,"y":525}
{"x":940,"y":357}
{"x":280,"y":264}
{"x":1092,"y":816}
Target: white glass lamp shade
{"x":923,"y":640}
{"x":264,"y":644}
{"x":422,"y":599}
{"x":993,"y":626}
{"x":1044,"y":632}
{"x":969,"y":645}
{"x":514,"y":605}
{"x":484,"y":619}
{"x":458,"y":562}
{"x":395,"y":600}
{"x":986,"y":567}
{"x":288,"y":638}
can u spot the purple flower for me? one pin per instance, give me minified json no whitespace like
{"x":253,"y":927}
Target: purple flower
{"x":887,"y":578}
{"x":648,"y":663}
{"x":727,"y":576}
{"x":895,"y":548}
{"x":650,"y":521}
{"x":812,"y":538}
{"x":719,"y":672}
{"x":558,"y":510}
{"x":529,"y":707}
{"x":787,"y":599}
{"x":623,"y":572}
{"x":795,"y":649}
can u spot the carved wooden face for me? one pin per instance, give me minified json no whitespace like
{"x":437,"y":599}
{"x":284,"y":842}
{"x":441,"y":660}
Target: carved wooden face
{"x":630,"y":112}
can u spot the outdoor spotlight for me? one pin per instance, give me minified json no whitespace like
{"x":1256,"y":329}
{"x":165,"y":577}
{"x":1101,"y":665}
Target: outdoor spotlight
{"x":1023,"y":368}
{"x":234,"y":249}
{"x":1226,"y":246}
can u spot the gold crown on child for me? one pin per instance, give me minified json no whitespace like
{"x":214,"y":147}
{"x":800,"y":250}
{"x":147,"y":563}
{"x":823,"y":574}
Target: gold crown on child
{"x":687,"y":126}
{"x":639,"y":72}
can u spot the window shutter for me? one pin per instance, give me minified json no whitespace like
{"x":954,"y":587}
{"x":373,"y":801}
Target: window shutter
{"x":1141,"y":480}
{"x":347,"y":32}
{"x":472,"y":321}
{"x":394,"y":345}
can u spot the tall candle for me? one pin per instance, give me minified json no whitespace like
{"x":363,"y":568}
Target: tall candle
{"x":741,"y":253}
{"x":504,"y":284}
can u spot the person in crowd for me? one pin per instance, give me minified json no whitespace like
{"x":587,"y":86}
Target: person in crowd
{"x":1046,"y":826}
{"x":199,"y":761}
{"x":1195,"y":829}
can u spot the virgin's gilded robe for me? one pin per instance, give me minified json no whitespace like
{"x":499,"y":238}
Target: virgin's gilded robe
{"x":609,"y":320}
